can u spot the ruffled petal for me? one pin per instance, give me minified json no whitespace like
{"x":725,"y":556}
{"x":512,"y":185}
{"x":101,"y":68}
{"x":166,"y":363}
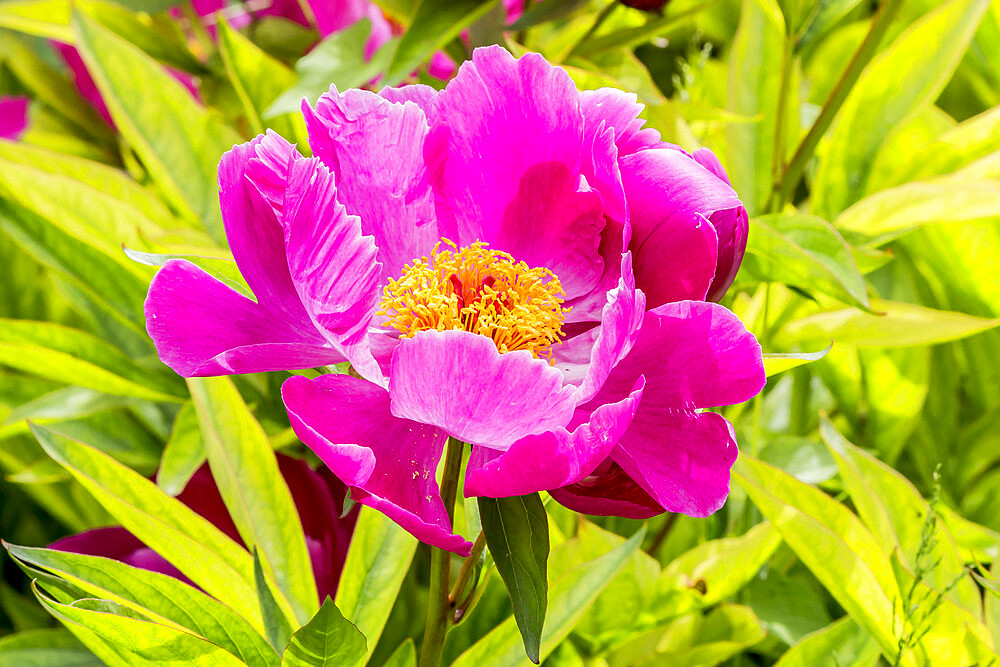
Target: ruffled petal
{"x":552,"y":459}
{"x":388,"y":462}
{"x":608,"y":491}
{"x":693,"y":355}
{"x":619,"y":111}
{"x":377,"y":150}
{"x":512,"y":177}
{"x":681,"y":459}
{"x":620,"y":323}
{"x":332,"y":265}
{"x":459,"y":382}
{"x":201,"y":326}
{"x":671,"y":198}
{"x":255,"y":235}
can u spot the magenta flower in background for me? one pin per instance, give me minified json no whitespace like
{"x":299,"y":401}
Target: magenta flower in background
{"x":331,"y":16}
{"x":13,"y":116}
{"x":508,"y":261}
{"x":317,"y":494}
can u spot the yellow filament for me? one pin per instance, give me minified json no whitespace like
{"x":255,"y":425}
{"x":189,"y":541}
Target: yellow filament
{"x":479,"y":290}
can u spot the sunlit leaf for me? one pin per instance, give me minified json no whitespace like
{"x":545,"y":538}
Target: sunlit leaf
{"x":328,"y":640}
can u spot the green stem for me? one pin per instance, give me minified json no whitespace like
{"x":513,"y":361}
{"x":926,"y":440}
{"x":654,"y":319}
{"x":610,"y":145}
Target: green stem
{"x":598,"y":22}
{"x":438,"y":604}
{"x":468,"y":567}
{"x":778,"y":151}
{"x":869,"y":47}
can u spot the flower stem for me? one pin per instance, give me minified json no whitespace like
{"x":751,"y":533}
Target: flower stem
{"x":793,"y":172}
{"x":438,"y":604}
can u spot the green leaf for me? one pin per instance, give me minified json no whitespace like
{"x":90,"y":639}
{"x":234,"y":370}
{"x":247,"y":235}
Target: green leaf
{"x":545,"y":11}
{"x":178,"y":140}
{"x":517,"y":534}
{"x":719,"y":569}
{"x":259,"y":80}
{"x":755,"y":71}
{"x":75,"y":357}
{"x":570,"y":596}
{"x":432,"y":25}
{"x":887,"y":214}
{"x":328,"y":640}
{"x":404,"y":656}
{"x":100,"y":275}
{"x":832,"y":542}
{"x":377,"y":562}
{"x":45,"y":18}
{"x":161,"y":598}
{"x":183,"y":454}
{"x":224,"y":270}
{"x":136,"y":640}
{"x":905,"y":77}
{"x":204,"y":554}
{"x":45,"y":648}
{"x":895,"y":511}
{"x":843,"y":642}
{"x":779,"y":362}
{"x":338,"y":59}
{"x":805,"y":252}
{"x":898,"y":324}
{"x":246,"y":471}
{"x":276,"y":624}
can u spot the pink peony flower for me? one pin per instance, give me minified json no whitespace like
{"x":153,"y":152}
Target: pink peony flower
{"x":317,"y":495}
{"x":13,"y":116}
{"x":509,"y":262}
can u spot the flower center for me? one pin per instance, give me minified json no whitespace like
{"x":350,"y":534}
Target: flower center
{"x":479,"y":290}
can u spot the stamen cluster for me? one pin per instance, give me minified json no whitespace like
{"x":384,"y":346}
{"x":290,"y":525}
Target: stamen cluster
{"x":479,"y":290}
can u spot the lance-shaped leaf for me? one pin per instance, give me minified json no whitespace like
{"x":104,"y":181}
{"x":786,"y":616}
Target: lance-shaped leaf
{"x":45,"y":647}
{"x":177,"y":139}
{"x":256,"y":495}
{"x":202,"y":552}
{"x":571,"y":596}
{"x":432,"y":25}
{"x":779,"y":362}
{"x":904,"y":78}
{"x":137,"y":640}
{"x":377,"y":562}
{"x":517,"y":534}
{"x":69,"y":355}
{"x":159,"y":597}
{"x":328,"y":640}
{"x":183,"y":454}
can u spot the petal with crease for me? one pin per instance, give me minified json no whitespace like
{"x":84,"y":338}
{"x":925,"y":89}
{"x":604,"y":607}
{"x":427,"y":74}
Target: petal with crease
{"x":388,"y":462}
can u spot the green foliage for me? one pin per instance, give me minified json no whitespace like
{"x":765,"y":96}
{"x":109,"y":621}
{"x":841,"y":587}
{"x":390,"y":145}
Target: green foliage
{"x":861,"y":529}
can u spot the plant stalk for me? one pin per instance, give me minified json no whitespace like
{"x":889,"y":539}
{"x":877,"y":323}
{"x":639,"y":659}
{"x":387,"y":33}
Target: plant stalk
{"x":869,"y":47}
{"x":438,"y":604}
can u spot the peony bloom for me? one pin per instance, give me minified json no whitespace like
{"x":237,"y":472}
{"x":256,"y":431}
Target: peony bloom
{"x":509,"y":262}
{"x":13,"y":116}
{"x":317,"y":495}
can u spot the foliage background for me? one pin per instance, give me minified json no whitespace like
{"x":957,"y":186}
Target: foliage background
{"x":864,"y":139}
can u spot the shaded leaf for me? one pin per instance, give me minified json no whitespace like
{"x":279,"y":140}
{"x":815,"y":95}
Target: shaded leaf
{"x":328,"y":640}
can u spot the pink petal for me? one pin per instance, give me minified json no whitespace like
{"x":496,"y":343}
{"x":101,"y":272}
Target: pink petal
{"x":620,"y":323}
{"x":377,"y":150}
{"x":201,"y":326}
{"x":682,"y":459}
{"x":608,"y":492}
{"x":552,"y":459}
{"x":13,"y":116}
{"x":671,"y":197}
{"x":333,"y":267}
{"x":731,"y":226}
{"x":514,"y":137}
{"x":619,"y":111}
{"x":459,"y":382}
{"x":118,"y":544}
{"x":693,"y":354}
{"x":388,"y":462}
{"x":255,"y":235}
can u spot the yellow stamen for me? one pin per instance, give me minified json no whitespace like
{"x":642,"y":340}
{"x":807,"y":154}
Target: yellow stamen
{"x":479,"y":290}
